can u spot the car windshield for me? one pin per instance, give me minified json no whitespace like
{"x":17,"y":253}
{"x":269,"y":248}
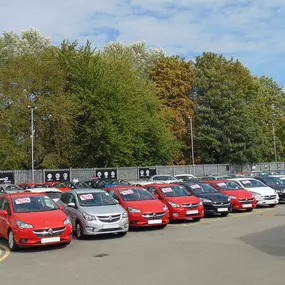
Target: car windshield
{"x":274,"y":181}
{"x":95,"y":199}
{"x":134,"y":194}
{"x":201,"y":188}
{"x":164,"y":178}
{"x":81,"y":185}
{"x":30,"y":204}
{"x":251,"y":183}
{"x":186,"y":177}
{"x":174,"y":191}
{"x":53,"y":195}
{"x":12,"y":188}
{"x":228,"y":185}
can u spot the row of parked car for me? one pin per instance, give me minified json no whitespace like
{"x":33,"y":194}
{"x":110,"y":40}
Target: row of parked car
{"x":32,"y":215}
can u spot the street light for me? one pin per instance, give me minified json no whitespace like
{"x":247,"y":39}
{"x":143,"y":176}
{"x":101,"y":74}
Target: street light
{"x":32,"y":141}
{"x":192,"y":144}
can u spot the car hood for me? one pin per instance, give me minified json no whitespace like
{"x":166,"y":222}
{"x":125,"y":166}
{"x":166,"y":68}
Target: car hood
{"x":183,"y":200}
{"x":215,"y":197}
{"x":146,"y":206}
{"x":103,"y":210}
{"x":240,"y":194}
{"x":47,"y":219}
{"x":262,"y":190}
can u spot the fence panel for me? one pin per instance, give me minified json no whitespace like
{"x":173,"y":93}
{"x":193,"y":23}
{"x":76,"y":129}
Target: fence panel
{"x":82,"y":174}
{"x":125,"y":173}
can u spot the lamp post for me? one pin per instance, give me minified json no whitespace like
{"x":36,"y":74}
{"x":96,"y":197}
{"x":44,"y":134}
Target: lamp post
{"x":192,"y":144}
{"x":32,"y":142}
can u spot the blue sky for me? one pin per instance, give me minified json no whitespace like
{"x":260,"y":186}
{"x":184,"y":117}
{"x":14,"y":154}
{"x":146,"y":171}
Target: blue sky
{"x":252,"y":31}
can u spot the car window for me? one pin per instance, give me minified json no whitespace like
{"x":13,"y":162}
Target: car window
{"x":135,"y":194}
{"x":152,"y":190}
{"x":114,"y":194}
{"x":6,"y":206}
{"x":228,"y":185}
{"x":174,"y":191}
{"x":33,"y":204}
{"x":63,"y":198}
{"x":95,"y":199}
{"x":250,"y":183}
{"x":201,"y":188}
{"x":70,"y":198}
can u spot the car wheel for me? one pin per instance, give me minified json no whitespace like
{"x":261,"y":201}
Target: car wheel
{"x":11,"y":241}
{"x":224,"y":214}
{"x":121,"y":234}
{"x":272,"y":206}
{"x":79,"y":231}
{"x":196,"y":219}
{"x":249,"y":210}
{"x":66,"y":243}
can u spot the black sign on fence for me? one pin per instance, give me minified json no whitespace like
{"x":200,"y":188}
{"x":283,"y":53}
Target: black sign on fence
{"x":146,"y":172}
{"x":104,"y":173}
{"x":57,"y":176}
{"x":7,"y":178}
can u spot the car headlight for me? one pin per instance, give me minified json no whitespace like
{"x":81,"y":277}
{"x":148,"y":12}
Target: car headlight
{"x":200,"y":203}
{"x":255,"y":194}
{"x":206,"y":200}
{"x":67,"y":221}
{"x":23,"y":225}
{"x":174,"y":205}
{"x":125,"y":215}
{"x":165,"y":208}
{"x":88,"y":217}
{"x":133,"y":210}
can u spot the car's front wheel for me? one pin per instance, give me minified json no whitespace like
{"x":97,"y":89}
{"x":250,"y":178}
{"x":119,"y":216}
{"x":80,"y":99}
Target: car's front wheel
{"x":121,"y":234}
{"x":79,"y":231}
{"x":249,"y":210}
{"x":224,"y":214}
{"x":11,"y":241}
{"x":272,"y":205}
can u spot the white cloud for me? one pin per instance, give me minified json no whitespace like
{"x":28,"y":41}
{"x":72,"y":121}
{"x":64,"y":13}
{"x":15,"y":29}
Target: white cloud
{"x":244,"y":27}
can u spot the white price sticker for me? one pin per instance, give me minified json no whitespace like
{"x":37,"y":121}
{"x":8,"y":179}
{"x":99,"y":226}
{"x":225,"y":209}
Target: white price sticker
{"x":86,"y":197}
{"x":166,"y":190}
{"x":23,"y":201}
{"x":128,"y":192}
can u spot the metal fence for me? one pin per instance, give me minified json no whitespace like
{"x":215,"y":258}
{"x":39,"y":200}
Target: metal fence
{"x":132,"y":173}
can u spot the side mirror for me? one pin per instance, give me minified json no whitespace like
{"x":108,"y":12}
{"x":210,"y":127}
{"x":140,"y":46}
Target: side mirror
{"x":61,"y":207}
{"x":156,"y":196}
{"x":71,"y":205}
{"x":3,"y":213}
{"x":117,"y":201}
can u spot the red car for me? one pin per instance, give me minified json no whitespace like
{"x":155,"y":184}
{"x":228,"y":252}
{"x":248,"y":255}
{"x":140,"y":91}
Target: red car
{"x":25,"y":186}
{"x":180,"y":203}
{"x":58,"y":185}
{"x":241,"y":199}
{"x":142,"y":207}
{"x":30,"y":219}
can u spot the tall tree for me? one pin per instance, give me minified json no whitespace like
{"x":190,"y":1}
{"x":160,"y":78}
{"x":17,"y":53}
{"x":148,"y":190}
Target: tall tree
{"x":173,"y":76}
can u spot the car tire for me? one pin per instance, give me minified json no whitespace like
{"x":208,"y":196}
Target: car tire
{"x":78,"y":231}
{"x":66,"y":243}
{"x":249,"y":210}
{"x":272,"y":206}
{"x":224,"y":214}
{"x":121,"y":234}
{"x":11,"y":241}
{"x":196,"y":219}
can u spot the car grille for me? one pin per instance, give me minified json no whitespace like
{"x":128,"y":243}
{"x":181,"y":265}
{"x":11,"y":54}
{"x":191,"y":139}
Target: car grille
{"x":189,"y":205}
{"x":109,"y":218}
{"x":110,"y":230}
{"x":246,"y":200}
{"x":154,"y":216}
{"x":269,"y":197}
{"x":223,"y":204}
{"x":52,"y":232}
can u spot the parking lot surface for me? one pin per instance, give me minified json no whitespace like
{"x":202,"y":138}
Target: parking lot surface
{"x":244,"y":248}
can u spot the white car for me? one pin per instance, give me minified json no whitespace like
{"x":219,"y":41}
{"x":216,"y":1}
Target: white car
{"x":164,"y":178}
{"x":53,"y":193}
{"x":186,"y":177}
{"x":263,"y":194}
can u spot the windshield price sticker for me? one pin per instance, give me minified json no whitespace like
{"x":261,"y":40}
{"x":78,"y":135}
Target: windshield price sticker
{"x":282,"y":178}
{"x":222,"y":184}
{"x":128,"y":192}
{"x":86,"y":197}
{"x":166,"y":190}
{"x":246,"y":182}
{"x":23,"y":201}
{"x":195,"y":186}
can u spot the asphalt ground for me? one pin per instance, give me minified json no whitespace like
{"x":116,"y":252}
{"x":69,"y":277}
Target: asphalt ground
{"x":243,"y":248}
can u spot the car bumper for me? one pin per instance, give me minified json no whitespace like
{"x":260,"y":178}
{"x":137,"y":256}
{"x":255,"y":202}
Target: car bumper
{"x":97,"y":228}
{"x":211,"y":209}
{"x":236,"y":205}
{"x":186,"y":213}
{"x":262,"y":201}
{"x":27,"y":237}
{"x":281,"y":196}
{"x":137,"y":220}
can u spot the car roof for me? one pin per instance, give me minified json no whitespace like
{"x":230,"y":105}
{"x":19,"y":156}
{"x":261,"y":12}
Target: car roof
{"x":124,"y":187}
{"x":163,"y":184}
{"x":217,"y":181}
{"x":87,"y":190}
{"x":243,"y":178}
{"x":22,"y":194}
{"x":43,"y":189}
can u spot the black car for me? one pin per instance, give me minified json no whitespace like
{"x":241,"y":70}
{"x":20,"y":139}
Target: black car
{"x":214,"y":202}
{"x":76,"y":185}
{"x":277,"y":183}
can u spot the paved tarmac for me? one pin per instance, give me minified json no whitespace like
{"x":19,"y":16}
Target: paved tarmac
{"x":244,"y":248}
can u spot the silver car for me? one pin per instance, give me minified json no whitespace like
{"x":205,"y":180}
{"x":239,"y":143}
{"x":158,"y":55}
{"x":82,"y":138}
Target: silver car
{"x":93,"y":212}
